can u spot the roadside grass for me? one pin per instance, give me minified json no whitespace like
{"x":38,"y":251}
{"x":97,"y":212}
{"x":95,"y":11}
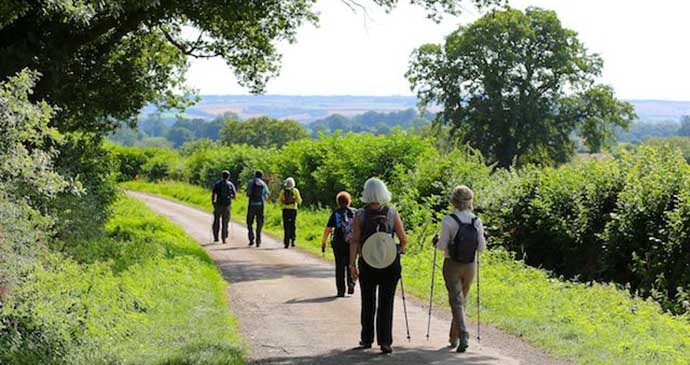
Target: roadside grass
{"x":588,"y":323}
{"x":145,"y":293}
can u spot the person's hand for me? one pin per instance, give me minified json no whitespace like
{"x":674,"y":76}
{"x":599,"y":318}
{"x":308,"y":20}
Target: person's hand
{"x":401,"y":250}
{"x":323,"y":246}
{"x":434,"y":240}
{"x":354,"y":272}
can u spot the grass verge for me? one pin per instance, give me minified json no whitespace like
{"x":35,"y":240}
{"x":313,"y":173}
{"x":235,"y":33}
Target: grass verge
{"x":589,"y":323}
{"x":145,"y":293}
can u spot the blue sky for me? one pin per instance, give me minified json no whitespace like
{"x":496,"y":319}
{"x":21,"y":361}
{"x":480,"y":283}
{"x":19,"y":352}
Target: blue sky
{"x":645,"y":46}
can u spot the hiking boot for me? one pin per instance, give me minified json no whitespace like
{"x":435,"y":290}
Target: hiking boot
{"x":293,"y":243}
{"x":340,"y":295}
{"x":351,"y":290}
{"x":464,"y":343}
{"x":364,"y":345}
{"x":386,"y":349}
{"x":251,"y":243}
{"x":224,"y":242}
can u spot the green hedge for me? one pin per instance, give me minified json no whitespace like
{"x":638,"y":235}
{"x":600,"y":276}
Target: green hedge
{"x":143,"y":293}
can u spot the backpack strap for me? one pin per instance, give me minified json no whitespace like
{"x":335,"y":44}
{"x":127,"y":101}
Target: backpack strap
{"x":457,"y":219}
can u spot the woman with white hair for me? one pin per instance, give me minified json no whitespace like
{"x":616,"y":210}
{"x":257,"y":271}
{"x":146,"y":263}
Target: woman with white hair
{"x":462,"y":236}
{"x":378,"y":267}
{"x":289,"y":199}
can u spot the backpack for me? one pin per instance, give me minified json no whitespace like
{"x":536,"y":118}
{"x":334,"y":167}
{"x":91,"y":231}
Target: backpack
{"x":289,"y":196}
{"x":464,"y":246}
{"x":343,"y":225}
{"x":373,"y":221}
{"x":227,"y":192}
{"x":257,"y":191}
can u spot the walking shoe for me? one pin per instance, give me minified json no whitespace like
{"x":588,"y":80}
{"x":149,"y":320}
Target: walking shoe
{"x":386,"y":349}
{"x":464,"y":343}
{"x":224,"y":242}
{"x":293,"y":243}
{"x":258,"y":244}
{"x":251,"y":243}
{"x":351,"y":290}
{"x":454,"y":343}
{"x":364,"y":345}
{"x":340,"y":295}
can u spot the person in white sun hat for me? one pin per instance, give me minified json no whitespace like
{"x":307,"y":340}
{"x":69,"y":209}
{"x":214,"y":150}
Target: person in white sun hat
{"x":378,"y":267}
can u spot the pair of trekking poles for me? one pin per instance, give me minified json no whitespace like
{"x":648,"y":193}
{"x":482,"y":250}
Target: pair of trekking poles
{"x":431,"y":299}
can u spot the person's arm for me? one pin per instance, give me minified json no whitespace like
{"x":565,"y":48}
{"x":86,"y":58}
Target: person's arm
{"x":354,"y":247}
{"x":266,"y":191}
{"x":234,"y":191}
{"x":249,"y":189}
{"x":400,"y":232}
{"x":326,"y":233}
{"x":445,"y":234}
{"x":480,"y":232}
{"x":281,"y":197}
{"x":214,"y":195}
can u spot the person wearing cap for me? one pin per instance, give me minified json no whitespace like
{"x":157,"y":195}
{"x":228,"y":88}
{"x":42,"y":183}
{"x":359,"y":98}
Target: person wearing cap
{"x":289,"y":199}
{"x":222,"y":194}
{"x":378,"y":269}
{"x":459,"y":276}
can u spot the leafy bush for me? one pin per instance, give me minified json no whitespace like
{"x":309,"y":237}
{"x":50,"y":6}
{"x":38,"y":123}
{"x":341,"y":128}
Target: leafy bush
{"x":132,"y":296}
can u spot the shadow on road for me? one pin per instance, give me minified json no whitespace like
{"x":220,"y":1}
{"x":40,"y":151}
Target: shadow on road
{"x":313,"y":300}
{"x":237,"y":271}
{"x":402,"y":356}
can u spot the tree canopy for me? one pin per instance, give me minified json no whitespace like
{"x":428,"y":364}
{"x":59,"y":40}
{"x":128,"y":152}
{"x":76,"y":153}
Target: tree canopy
{"x":516,"y":85}
{"x":262,"y":132}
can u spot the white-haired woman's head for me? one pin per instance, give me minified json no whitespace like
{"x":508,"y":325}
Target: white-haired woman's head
{"x":462,"y":198}
{"x":290,"y":182}
{"x":375,"y":191}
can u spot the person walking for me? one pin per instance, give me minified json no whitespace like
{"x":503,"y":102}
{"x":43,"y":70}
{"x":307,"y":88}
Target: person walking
{"x":289,"y":199}
{"x":462,"y":236}
{"x":378,"y":267}
{"x":222,"y":194}
{"x":340,"y":225}
{"x":257,"y":192}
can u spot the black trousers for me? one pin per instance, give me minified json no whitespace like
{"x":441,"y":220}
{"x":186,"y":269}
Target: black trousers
{"x":220,"y":213}
{"x":385,"y":282}
{"x":341,"y":251}
{"x":255,"y":212}
{"x":289,"y":226}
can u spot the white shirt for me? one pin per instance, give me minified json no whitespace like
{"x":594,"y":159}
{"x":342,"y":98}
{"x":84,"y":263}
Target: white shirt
{"x":449,"y":228}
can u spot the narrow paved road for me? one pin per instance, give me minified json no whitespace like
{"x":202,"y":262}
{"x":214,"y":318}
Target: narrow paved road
{"x":288,"y":313}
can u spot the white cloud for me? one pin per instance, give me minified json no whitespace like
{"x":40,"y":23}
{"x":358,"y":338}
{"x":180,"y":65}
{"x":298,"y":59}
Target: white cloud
{"x":644,"y":45}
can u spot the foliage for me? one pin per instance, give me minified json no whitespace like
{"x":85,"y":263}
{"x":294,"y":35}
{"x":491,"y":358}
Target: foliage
{"x":600,"y":220}
{"x":370,"y":122}
{"x":682,"y":144}
{"x":132,"y":296}
{"x":639,"y":132}
{"x":584,"y":322}
{"x":262,"y":132}
{"x":503,"y":82}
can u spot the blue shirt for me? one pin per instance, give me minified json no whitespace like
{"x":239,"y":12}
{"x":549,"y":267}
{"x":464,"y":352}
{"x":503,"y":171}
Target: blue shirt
{"x":264,"y":193}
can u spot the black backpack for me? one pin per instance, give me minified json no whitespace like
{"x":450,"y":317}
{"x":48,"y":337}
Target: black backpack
{"x":289,"y":196}
{"x":257,"y":191}
{"x":464,"y":246}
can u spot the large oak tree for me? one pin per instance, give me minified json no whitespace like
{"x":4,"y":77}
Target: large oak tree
{"x":517,"y":85}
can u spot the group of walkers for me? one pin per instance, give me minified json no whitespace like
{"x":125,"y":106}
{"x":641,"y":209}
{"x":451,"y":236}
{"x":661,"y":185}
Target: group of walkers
{"x":365,"y":249}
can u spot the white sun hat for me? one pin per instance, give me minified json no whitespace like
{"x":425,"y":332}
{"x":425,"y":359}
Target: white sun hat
{"x":379,"y":250}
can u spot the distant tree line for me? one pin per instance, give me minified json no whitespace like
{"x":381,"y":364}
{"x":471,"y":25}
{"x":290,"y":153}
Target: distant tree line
{"x":371,"y":122}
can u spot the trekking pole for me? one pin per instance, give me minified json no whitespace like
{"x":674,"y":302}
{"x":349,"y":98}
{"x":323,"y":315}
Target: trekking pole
{"x":479,"y":339}
{"x":407,"y":324}
{"x":431,"y":296}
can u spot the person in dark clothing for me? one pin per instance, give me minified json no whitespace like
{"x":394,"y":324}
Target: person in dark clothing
{"x":221,"y":197}
{"x":384,"y":280}
{"x":340,"y":224}
{"x":289,"y":199}
{"x":257,"y":192}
